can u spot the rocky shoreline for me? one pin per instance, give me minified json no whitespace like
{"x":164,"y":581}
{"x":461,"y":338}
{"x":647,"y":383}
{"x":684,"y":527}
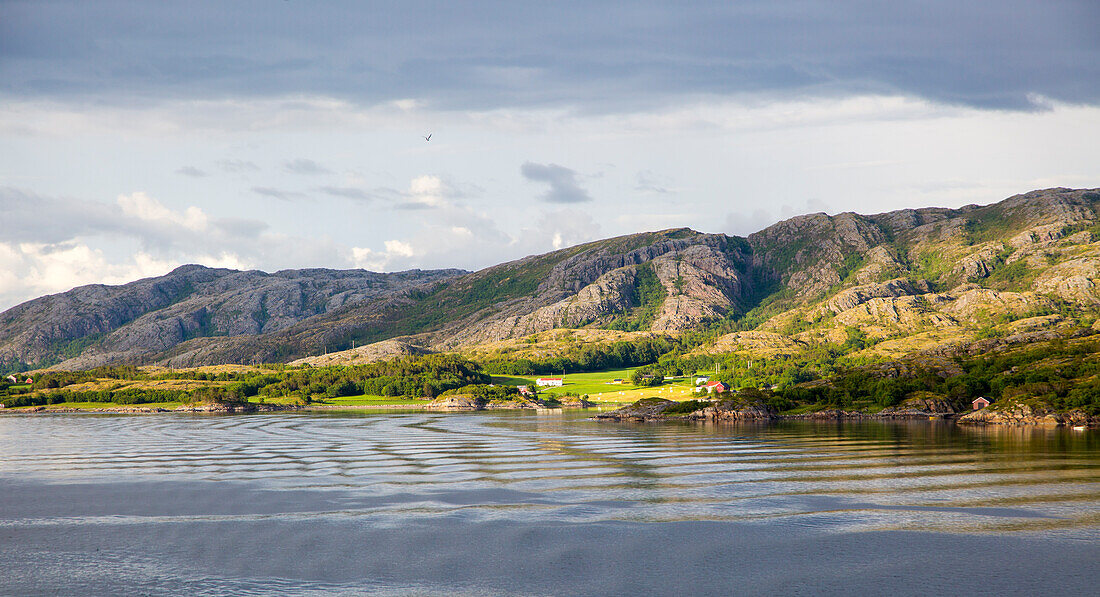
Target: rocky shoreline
{"x":445,"y":403}
{"x":735,"y":410}
{"x":656,"y":410}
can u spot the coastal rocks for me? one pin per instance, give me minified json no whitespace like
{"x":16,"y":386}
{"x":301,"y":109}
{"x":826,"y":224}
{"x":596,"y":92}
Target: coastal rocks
{"x":1019,"y":413}
{"x":830,"y":414}
{"x":234,"y":407}
{"x":461,"y":402}
{"x":919,"y":408}
{"x":646,"y":409}
{"x":661,"y":409}
{"x":456,"y":402}
{"x":737,"y":410}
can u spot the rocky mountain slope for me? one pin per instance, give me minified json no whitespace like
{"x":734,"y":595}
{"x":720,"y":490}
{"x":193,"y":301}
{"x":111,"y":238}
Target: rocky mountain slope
{"x":890,"y":284}
{"x":100,"y":324}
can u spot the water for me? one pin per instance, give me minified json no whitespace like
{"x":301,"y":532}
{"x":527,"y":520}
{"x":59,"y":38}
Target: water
{"x":537,"y":504}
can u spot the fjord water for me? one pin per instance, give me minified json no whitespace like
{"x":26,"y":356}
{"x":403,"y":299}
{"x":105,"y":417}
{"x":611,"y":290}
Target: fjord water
{"x":535,"y":504}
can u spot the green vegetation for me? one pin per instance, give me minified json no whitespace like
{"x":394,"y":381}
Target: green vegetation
{"x":409,"y":377}
{"x":648,"y":294}
{"x":588,"y":357}
{"x":1058,"y":375}
{"x":686,"y":407}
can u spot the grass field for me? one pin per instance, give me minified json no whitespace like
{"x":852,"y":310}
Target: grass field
{"x":599,"y":388}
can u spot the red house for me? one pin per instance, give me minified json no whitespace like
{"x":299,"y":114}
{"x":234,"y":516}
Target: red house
{"x":29,"y":380}
{"x":716,"y":387}
{"x":980,"y":403}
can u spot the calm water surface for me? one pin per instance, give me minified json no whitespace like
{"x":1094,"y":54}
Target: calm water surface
{"x":535,"y":504}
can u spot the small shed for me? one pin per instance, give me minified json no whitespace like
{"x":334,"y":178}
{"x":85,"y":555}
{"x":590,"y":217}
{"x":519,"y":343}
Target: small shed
{"x":980,"y":403}
{"x":12,"y":379}
{"x":29,"y":380}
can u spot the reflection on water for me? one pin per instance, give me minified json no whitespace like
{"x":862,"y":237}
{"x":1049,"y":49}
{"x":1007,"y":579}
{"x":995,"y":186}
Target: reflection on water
{"x":563,"y":468}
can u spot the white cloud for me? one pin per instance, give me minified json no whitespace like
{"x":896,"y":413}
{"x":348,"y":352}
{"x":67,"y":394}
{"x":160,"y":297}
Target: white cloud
{"x":29,"y":270}
{"x":143,"y":207}
{"x":427,"y":191}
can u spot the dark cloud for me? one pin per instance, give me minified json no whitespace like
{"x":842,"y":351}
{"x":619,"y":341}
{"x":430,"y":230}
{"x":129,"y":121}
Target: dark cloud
{"x":347,"y":193}
{"x":647,"y":182}
{"x":304,"y":166}
{"x":278,"y":193}
{"x":191,"y":171}
{"x":591,"y":54}
{"x":562,"y":181}
{"x":234,"y":166}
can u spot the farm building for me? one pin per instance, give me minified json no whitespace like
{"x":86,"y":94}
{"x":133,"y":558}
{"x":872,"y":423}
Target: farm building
{"x":714,"y":387}
{"x":553,"y":382}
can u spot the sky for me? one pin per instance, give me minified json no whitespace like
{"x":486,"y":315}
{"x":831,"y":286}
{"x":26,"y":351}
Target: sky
{"x":272,"y":134}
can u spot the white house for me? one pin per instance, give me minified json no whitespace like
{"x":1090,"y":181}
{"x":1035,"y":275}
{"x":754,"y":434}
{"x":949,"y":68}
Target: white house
{"x":12,"y":379}
{"x":553,"y":382}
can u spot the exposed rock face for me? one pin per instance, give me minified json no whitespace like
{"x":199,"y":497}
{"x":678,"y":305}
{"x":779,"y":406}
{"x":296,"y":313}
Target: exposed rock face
{"x":857,"y":295}
{"x":757,"y":342}
{"x":980,"y":263}
{"x":808,"y":251}
{"x":1075,"y":280}
{"x":372,"y":353}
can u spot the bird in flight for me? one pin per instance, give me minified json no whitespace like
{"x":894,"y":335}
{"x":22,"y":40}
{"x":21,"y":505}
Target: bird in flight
{"x":429,"y":137}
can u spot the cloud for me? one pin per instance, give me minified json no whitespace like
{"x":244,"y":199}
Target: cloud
{"x":744,"y":223}
{"x":427,"y":192}
{"x":141,"y":206}
{"x":454,"y":231}
{"x":347,"y":193}
{"x":236,"y":166}
{"x":598,"y":55}
{"x":304,"y":166}
{"x":563,"y":182}
{"x":29,"y":270}
{"x":278,"y":193}
{"x":64,"y":242}
{"x":191,"y":171}
{"x":648,"y":182}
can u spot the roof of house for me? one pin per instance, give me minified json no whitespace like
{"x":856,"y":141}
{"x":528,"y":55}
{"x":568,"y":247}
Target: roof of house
{"x":980,"y":398}
{"x":711,"y":384}
{"x":550,"y":378}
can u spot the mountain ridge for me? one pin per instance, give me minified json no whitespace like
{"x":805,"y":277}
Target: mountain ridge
{"x":911,"y":273}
